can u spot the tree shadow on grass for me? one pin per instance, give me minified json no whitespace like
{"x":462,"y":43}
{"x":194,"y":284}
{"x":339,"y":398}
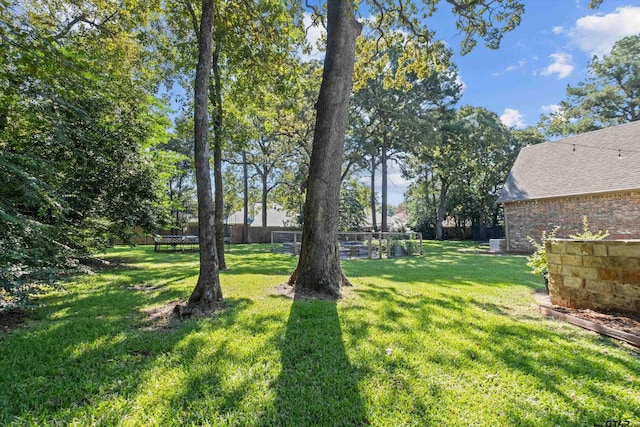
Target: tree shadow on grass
{"x":545,"y":375}
{"x":87,"y":349}
{"x":317,"y":384}
{"x":82,"y":352}
{"x":446,"y":269}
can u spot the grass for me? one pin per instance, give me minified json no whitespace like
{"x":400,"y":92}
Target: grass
{"x":448,"y":338}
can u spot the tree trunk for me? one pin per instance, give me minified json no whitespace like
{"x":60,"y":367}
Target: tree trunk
{"x":216,"y":100}
{"x":319,"y":263}
{"x":374,"y":221}
{"x":265,"y":191}
{"x":174,"y":225}
{"x":444,"y":188}
{"x":207,"y":293}
{"x":384,"y":225}
{"x":4,"y":112}
{"x":245,"y":189}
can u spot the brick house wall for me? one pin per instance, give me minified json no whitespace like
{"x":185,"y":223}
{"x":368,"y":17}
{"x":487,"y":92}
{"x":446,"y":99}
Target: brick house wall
{"x":617,"y":212}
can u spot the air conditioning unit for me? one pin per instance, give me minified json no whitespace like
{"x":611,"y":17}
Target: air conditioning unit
{"x":497,"y":245}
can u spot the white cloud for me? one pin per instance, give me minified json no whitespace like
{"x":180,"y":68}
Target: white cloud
{"x":512,"y":118}
{"x":557,"y":29}
{"x":314,"y":33}
{"x":521,"y":63}
{"x":562,"y":65}
{"x":596,"y":34}
{"x":549,"y":109}
{"x":462,"y":84}
{"x":397,"y":185}
{"x":513,"y":67}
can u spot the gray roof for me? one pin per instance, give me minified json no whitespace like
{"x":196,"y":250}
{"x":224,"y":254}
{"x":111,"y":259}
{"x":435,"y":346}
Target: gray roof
{"x":276,"y":216}
{"x":595,"y":162}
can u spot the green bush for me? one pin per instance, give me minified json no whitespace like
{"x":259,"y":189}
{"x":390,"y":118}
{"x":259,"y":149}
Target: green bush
{"x":586,"y":234}
{"x":538,"y":260}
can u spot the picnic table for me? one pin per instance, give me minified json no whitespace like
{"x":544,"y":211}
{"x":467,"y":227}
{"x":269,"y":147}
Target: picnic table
{"x":175,"y":241}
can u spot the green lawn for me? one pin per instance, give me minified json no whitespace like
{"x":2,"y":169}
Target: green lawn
{"x":448,"y":338}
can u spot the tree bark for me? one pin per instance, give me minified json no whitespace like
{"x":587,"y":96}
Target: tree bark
{"x":374,"y":221}
{"x":384,"y":226}
{"x":216,"y":100}
{"x":207,"y":293}
{"x":245,"y":189}
{"x":263,"y":199}
{"x":444,"y":188}
{"x":319,"y":263}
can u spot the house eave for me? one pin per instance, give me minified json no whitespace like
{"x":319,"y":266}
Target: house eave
{"x":571,"y":195}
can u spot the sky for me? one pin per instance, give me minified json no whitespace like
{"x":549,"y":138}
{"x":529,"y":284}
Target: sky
{"x":529,"y":74}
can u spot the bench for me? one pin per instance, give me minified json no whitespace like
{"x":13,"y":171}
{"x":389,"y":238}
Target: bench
{"x":174,"y":240}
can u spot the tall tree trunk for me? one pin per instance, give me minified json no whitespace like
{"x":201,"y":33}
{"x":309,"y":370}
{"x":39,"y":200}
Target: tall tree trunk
{"x":265,"y":192}
{"x":384,"y":225}
{"x":319,"y":263}
{"x":4,"y":112}
{"x":173,"y":226}
{"x":374,"y":220}
{"x":207,"y":293}
{"x":444,"y":188}
{"x":245,"y":189}
{"x":216,"y":100}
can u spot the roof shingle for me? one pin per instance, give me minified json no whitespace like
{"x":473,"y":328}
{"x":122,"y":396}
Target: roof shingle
{"x":595,"y":162}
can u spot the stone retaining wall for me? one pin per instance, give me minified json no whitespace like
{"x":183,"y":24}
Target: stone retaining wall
{"x":594,"y":274}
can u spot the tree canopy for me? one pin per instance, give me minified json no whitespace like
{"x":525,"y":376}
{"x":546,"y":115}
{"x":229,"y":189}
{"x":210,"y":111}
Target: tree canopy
{"x":318,"y":266}
{"x":87,"y":152}
{"x":78,"y":121}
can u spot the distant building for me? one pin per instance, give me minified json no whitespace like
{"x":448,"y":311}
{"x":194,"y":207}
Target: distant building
{"x":557,"y":183}
{"x":276,"y":216}
{"x":396,"y":222}
{"x":278,"y":219}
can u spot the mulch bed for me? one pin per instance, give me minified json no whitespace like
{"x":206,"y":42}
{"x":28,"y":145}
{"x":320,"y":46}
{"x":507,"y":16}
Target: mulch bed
{"x":623,"y":326}
{"x":629,"y":323}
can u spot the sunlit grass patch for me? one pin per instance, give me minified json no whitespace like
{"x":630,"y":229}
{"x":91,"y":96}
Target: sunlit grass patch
{"x":448,"y":338}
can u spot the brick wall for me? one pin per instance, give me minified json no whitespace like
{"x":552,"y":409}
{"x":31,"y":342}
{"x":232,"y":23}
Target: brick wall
{"x":594,"y":274}
{"x":619,"y":213}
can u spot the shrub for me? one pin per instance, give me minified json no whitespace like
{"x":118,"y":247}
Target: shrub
{"x":538,"y":260}
{"x":586,"y":234}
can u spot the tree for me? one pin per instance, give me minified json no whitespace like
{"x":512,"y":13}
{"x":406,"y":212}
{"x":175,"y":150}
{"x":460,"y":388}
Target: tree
{"x":234,"y":188}
{"x":78,"y":124}
{"x":319,"y":265}
{"x":207,"y":294}
{"x":460,"y":168}
{"x":268,"y":161}
{"x":353,"y":199}
{"x":610,"y":96}
{"x":296,"y":125}
{"x":388,"y":106}
{"x":252,"y":49}
{"x":181,"y":199}
{"x":490,"y":151}
{"x":528,"y":136}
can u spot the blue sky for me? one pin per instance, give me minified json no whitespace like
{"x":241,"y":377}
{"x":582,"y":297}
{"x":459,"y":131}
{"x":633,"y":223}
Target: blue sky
{"x":529,"y":74}
{"x":550,"y":49}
